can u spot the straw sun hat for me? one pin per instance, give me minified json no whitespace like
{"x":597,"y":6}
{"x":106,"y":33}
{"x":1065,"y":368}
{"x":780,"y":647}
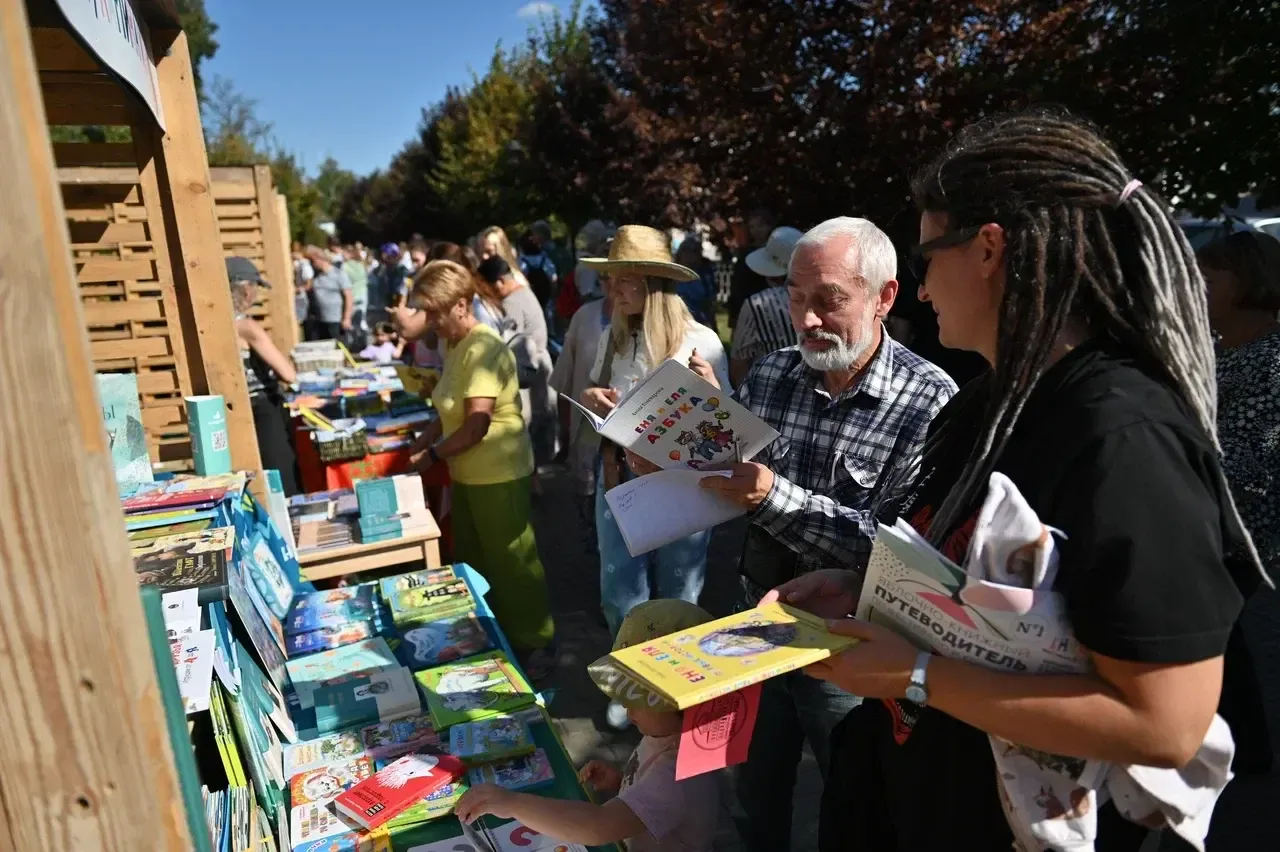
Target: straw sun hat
{"x":638,"y":248}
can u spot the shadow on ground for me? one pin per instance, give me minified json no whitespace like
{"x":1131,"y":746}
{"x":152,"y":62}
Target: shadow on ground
{"x":573,"y":574}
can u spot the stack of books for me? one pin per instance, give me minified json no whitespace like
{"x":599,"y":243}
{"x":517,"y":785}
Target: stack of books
{"x":358,"y":684}
{"x":392,"y":508}
{"x":427,"y":604}
{"x":186,"y":560}
{"x":324,"y":620}
{"x":323,"y":520}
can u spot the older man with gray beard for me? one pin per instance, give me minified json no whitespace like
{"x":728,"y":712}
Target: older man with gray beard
{"x":850,"y":404}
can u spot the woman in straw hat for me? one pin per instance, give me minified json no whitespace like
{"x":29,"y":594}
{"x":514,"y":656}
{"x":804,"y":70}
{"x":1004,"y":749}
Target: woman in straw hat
{"x":650,"y":324}
{"x":480,"y":435}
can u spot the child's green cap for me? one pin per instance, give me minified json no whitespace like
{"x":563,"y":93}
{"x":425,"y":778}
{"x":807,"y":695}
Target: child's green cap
{"x":646,"y":621}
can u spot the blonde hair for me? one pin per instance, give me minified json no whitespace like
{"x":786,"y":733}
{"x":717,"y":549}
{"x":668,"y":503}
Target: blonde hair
{"x":505,"y":251}
{"x":441,"y":284}
{"x":663,"y":325}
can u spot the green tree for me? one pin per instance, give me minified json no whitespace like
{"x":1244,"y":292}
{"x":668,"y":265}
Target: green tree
{"x":331,"y":183}
{"x":200,"y":41}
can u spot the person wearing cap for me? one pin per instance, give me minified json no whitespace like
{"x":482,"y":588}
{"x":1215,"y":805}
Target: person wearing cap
{"x":746,"y":282}
{"x":388,"y":285}
{"x":265,"y":367}
{"x":764,"y":323}
{"x":650,"y":325}
{"x":331,"y":301}
{"x":650,"y":810}
{"x":851,"y":405}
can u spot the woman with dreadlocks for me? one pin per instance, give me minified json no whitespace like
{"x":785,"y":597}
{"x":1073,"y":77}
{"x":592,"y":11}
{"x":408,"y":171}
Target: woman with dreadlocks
{"x":1072,"y":280}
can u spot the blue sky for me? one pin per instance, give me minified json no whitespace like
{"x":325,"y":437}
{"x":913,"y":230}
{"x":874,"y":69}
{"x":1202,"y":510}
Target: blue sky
{"x":349,"y":79}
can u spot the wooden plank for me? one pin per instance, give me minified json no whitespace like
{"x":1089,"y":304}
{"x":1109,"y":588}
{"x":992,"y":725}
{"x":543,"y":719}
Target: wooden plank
{"x":157,"y":381}
{"x":110,"y":313}
{"x":115,"y":115}
{"x":144,"y":347}
{"x":79,"y":175}
{"x":161,"y":417}
{"x":72,"y":154}
{"x":87,"y":759}
{"x":108,"y":233}
{"x":101,"y":269}
{"x":78,"y":88}
{"x":89,"y":196}
{"x":276,"y":267}
{"x":233,"y":191}
{"x":199,"y":271}
{"x":286,"y":318}
{"x":57,"y":49}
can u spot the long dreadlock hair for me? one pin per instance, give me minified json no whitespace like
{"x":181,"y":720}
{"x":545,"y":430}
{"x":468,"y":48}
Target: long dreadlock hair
{"x":1074,"y":250}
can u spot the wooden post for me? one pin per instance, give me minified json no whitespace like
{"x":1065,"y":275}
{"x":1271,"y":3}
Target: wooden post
{"x":282,"y":207}
{"x":200,"y":274}
{"x":87,"y":763}
{"x":275,"y":252}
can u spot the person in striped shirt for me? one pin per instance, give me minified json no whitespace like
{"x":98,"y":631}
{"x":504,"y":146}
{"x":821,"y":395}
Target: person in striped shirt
{"x":764,"y":323}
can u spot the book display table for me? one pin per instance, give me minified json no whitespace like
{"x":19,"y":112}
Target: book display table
{"x":352,"y":559}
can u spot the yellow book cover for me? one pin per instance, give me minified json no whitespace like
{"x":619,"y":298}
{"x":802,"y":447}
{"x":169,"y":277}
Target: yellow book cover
{"x":713,"y":659}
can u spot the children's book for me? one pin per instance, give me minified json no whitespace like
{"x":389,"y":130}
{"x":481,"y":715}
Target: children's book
{"x":328,"y":638}
{"x":325,"y":782}
{"x":264,"y":630}
{"x":432,"y":603}
{"x":490,"y":740}
{"x":387,"y":740}
{"x":397,"y":787}
{"x":474,"y":688}
{"x":251,"y":714}
{"x":438,"y":804}
{"x":314,"y":754}
{"x":186,"y":560}
{"x":521,"y":773}
{"x":674,"y":418}
{"x":436,"y":642}
{"x":168,"y":523}
{"x":314,"y":827}
{"x":193,"y":664}
{"x":364,"y":699}
{"x":122,"y":415}
{"x":722,"y":656}
{"x":269,"y":576}
{"x":330,"y":608}
{"x":146,"y":501}
{"x":315,"y":670}
{"x":390,"y":587}
{"x":508,"y":837}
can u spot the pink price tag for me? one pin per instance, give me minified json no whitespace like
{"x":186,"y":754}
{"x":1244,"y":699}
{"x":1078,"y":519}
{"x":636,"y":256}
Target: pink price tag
{"x":717,"y":733}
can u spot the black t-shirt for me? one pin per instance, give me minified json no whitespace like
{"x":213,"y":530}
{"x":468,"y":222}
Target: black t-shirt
{"x":1108,"y":454}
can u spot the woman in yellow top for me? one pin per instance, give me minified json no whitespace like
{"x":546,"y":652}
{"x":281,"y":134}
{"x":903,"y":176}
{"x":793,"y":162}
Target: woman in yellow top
{"x":480,"y":434}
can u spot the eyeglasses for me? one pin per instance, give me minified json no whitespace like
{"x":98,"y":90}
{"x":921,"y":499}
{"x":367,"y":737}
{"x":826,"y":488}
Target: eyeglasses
{"x":919,"y":255}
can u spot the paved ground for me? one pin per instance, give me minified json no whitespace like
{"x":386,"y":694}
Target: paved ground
{"x":572,"y":565}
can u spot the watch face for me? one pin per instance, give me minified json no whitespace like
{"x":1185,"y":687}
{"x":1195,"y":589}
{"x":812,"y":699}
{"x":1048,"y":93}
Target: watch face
{"x":917,"y":693}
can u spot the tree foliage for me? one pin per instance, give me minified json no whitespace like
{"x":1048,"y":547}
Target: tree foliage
{"x":200,"y":41}
{"x":677,"y":111}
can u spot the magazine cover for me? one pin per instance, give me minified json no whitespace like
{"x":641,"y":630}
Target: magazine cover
{"x":475,"y":688}
{"x":436,"y":642}
{"x":722,"y":656}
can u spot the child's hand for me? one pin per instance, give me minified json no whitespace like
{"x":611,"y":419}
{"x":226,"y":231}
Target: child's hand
{"x":484,"y":799}
{"x":605,"y":777}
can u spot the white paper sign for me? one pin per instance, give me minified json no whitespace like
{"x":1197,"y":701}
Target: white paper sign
{"x":118,"y":37}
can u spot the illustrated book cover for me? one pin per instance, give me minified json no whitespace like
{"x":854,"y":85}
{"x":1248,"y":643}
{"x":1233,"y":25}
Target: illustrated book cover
{"x":674,"y":418}
{"x":392,"y":586}
{"x":474,"y":688}
{"x":187,"y":560}
{"x":432,"y":603}
{"x":330,"y":608}
{"x":426,"y":645}
{"x":325,"y":782}
{"x":122,"y":416}
{"x":722,"y":656}
{"x":527,"y":772}
{"x":387,"y":740}
{"x":395,"y":788}
{"x":367,"y":698}
{"x":490,"y":740}
{"x":314,"y":754}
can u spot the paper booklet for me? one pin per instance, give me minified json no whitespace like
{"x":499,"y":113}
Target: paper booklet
{"x":666,"y":506}
{"x":675,"y":419}
{"x":918,"y":593}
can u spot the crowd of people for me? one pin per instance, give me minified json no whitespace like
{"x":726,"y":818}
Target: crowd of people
{"x":1135,"y":415}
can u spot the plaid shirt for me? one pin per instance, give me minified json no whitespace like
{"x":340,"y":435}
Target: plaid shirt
{"x":831,"y":453}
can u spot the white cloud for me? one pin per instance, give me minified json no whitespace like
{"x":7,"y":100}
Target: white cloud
{"x":533,"y":10}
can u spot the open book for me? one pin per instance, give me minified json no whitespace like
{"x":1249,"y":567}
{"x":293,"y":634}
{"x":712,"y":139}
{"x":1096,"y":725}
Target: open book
{"x":675,"y":419}
{"x":666,"y":506}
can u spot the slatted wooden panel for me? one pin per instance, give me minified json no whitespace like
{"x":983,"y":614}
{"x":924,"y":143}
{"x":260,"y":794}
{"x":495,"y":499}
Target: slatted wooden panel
{"x":126,"y":287}
{"x":236,"y":203}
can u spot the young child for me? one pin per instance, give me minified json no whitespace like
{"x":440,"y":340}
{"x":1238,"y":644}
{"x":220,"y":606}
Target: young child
{"x":650,"y":810}
{"x":385,"y":347}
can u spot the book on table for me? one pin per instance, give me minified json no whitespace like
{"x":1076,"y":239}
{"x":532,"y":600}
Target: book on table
{"x":490,"y":740}
{"x":432,"y":603}
{"x":389,"y":740}
{"x":196,"y":559}
{"x":391,"y":586}
{"x":390,"y":495}
{"x":527,"y":772}
{"x":693,"y":666}
{"x":393,"y":789}
{"x":675,"y":419}
{"x":475,"y":688}
{"x":424,"y":646}
{"x":330,"y":608}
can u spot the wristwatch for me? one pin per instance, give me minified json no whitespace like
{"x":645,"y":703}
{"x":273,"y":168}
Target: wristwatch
{"x":916,"y":689}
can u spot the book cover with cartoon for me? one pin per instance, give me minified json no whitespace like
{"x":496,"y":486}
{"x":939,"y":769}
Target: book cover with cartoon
{"x":392,"y":586}
{"x":315,"y":754}
{"x":527,"y":772}
{"x":401,"y":736}
{"x":329,"y":608}
{"x":722,"y":656}
{"x":428,"y":603}
{"x":323,"y":783}
{"x":475,"y":688}
{"x":490,"y":740}
{"x":674,"y":418}
{"x":443,"y":641}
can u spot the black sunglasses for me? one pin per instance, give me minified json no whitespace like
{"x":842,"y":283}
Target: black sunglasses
{"x":918,"y":258}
